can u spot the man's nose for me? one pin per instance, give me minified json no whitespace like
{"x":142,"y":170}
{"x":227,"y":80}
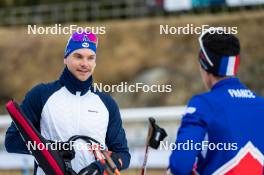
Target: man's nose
{"x":85,"y":63}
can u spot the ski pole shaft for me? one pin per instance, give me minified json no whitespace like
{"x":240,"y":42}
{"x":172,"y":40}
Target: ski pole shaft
{"x":144,"y":167}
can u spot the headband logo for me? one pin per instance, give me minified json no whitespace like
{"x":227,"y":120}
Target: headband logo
{"x":85,"y":44}
{"x":85,"y":38}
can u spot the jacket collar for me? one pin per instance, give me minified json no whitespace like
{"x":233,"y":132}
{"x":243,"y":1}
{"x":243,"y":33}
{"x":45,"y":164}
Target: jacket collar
{"x":226,"y":81}
{"x":73,"y":84}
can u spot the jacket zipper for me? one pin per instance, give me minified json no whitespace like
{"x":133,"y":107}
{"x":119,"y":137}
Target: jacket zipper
{"x":78,"y":94}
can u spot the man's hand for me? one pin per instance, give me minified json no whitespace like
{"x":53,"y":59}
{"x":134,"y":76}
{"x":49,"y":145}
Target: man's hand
{"x":117,"y":159}
{"x":92,"y":169}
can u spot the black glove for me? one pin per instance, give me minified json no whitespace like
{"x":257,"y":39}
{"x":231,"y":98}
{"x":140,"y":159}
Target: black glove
{"x":157,"y":134}
{"x":117,"y":160}
{"x":92,"y":169}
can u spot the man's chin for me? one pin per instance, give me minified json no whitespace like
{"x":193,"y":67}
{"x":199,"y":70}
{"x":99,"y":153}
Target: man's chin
{"x":82,"y":79}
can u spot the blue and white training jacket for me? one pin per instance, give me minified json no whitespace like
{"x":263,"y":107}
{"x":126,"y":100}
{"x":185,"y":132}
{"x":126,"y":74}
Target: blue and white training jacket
{"x":70,"y":107}
{"x":229,"y":119}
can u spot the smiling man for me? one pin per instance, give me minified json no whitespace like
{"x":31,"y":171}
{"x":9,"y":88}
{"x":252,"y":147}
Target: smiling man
{"x":70,"y":106}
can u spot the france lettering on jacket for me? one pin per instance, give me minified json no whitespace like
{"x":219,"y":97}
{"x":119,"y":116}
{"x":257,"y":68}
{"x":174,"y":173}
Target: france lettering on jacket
{"x":241,"y":93}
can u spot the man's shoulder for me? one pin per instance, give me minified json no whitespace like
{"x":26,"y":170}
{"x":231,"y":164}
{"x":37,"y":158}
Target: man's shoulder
{"x":41,"y":87}
{"x":36,"y":90}
{"x":107,"y":99}
{"x":201,"y":97}
{"x":201,"y":101}
{"x":52,"y":86}
{"x":43,"y":90}
{"x":209,"y":97}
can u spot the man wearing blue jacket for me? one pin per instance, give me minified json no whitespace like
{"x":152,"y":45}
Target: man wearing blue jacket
{"x":221,"y":132}
{"x":71,"y":106}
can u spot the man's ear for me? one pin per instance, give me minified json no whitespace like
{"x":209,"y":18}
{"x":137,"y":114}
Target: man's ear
{"x":64,"y":60}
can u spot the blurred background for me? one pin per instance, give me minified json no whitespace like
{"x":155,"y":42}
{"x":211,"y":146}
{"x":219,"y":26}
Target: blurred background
{"x":130,"y":50}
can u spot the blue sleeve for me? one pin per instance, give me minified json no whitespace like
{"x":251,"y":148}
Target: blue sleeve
{"x":193,"y":129}
{"x":31,"y":106}
{"x":115,"y":136}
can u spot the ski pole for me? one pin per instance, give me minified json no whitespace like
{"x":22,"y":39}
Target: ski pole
{"x":110,"y":162}
{"x":155,"y":135}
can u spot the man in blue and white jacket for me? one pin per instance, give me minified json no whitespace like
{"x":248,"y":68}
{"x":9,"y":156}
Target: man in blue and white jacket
{"x":222,"y":130}
{"x":71,"y":106}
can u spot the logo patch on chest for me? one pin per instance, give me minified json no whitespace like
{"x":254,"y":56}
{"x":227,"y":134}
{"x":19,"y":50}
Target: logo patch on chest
{"x":93,"y":111}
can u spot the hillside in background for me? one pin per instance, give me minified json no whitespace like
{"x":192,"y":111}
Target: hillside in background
{"x":132,"y":51}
